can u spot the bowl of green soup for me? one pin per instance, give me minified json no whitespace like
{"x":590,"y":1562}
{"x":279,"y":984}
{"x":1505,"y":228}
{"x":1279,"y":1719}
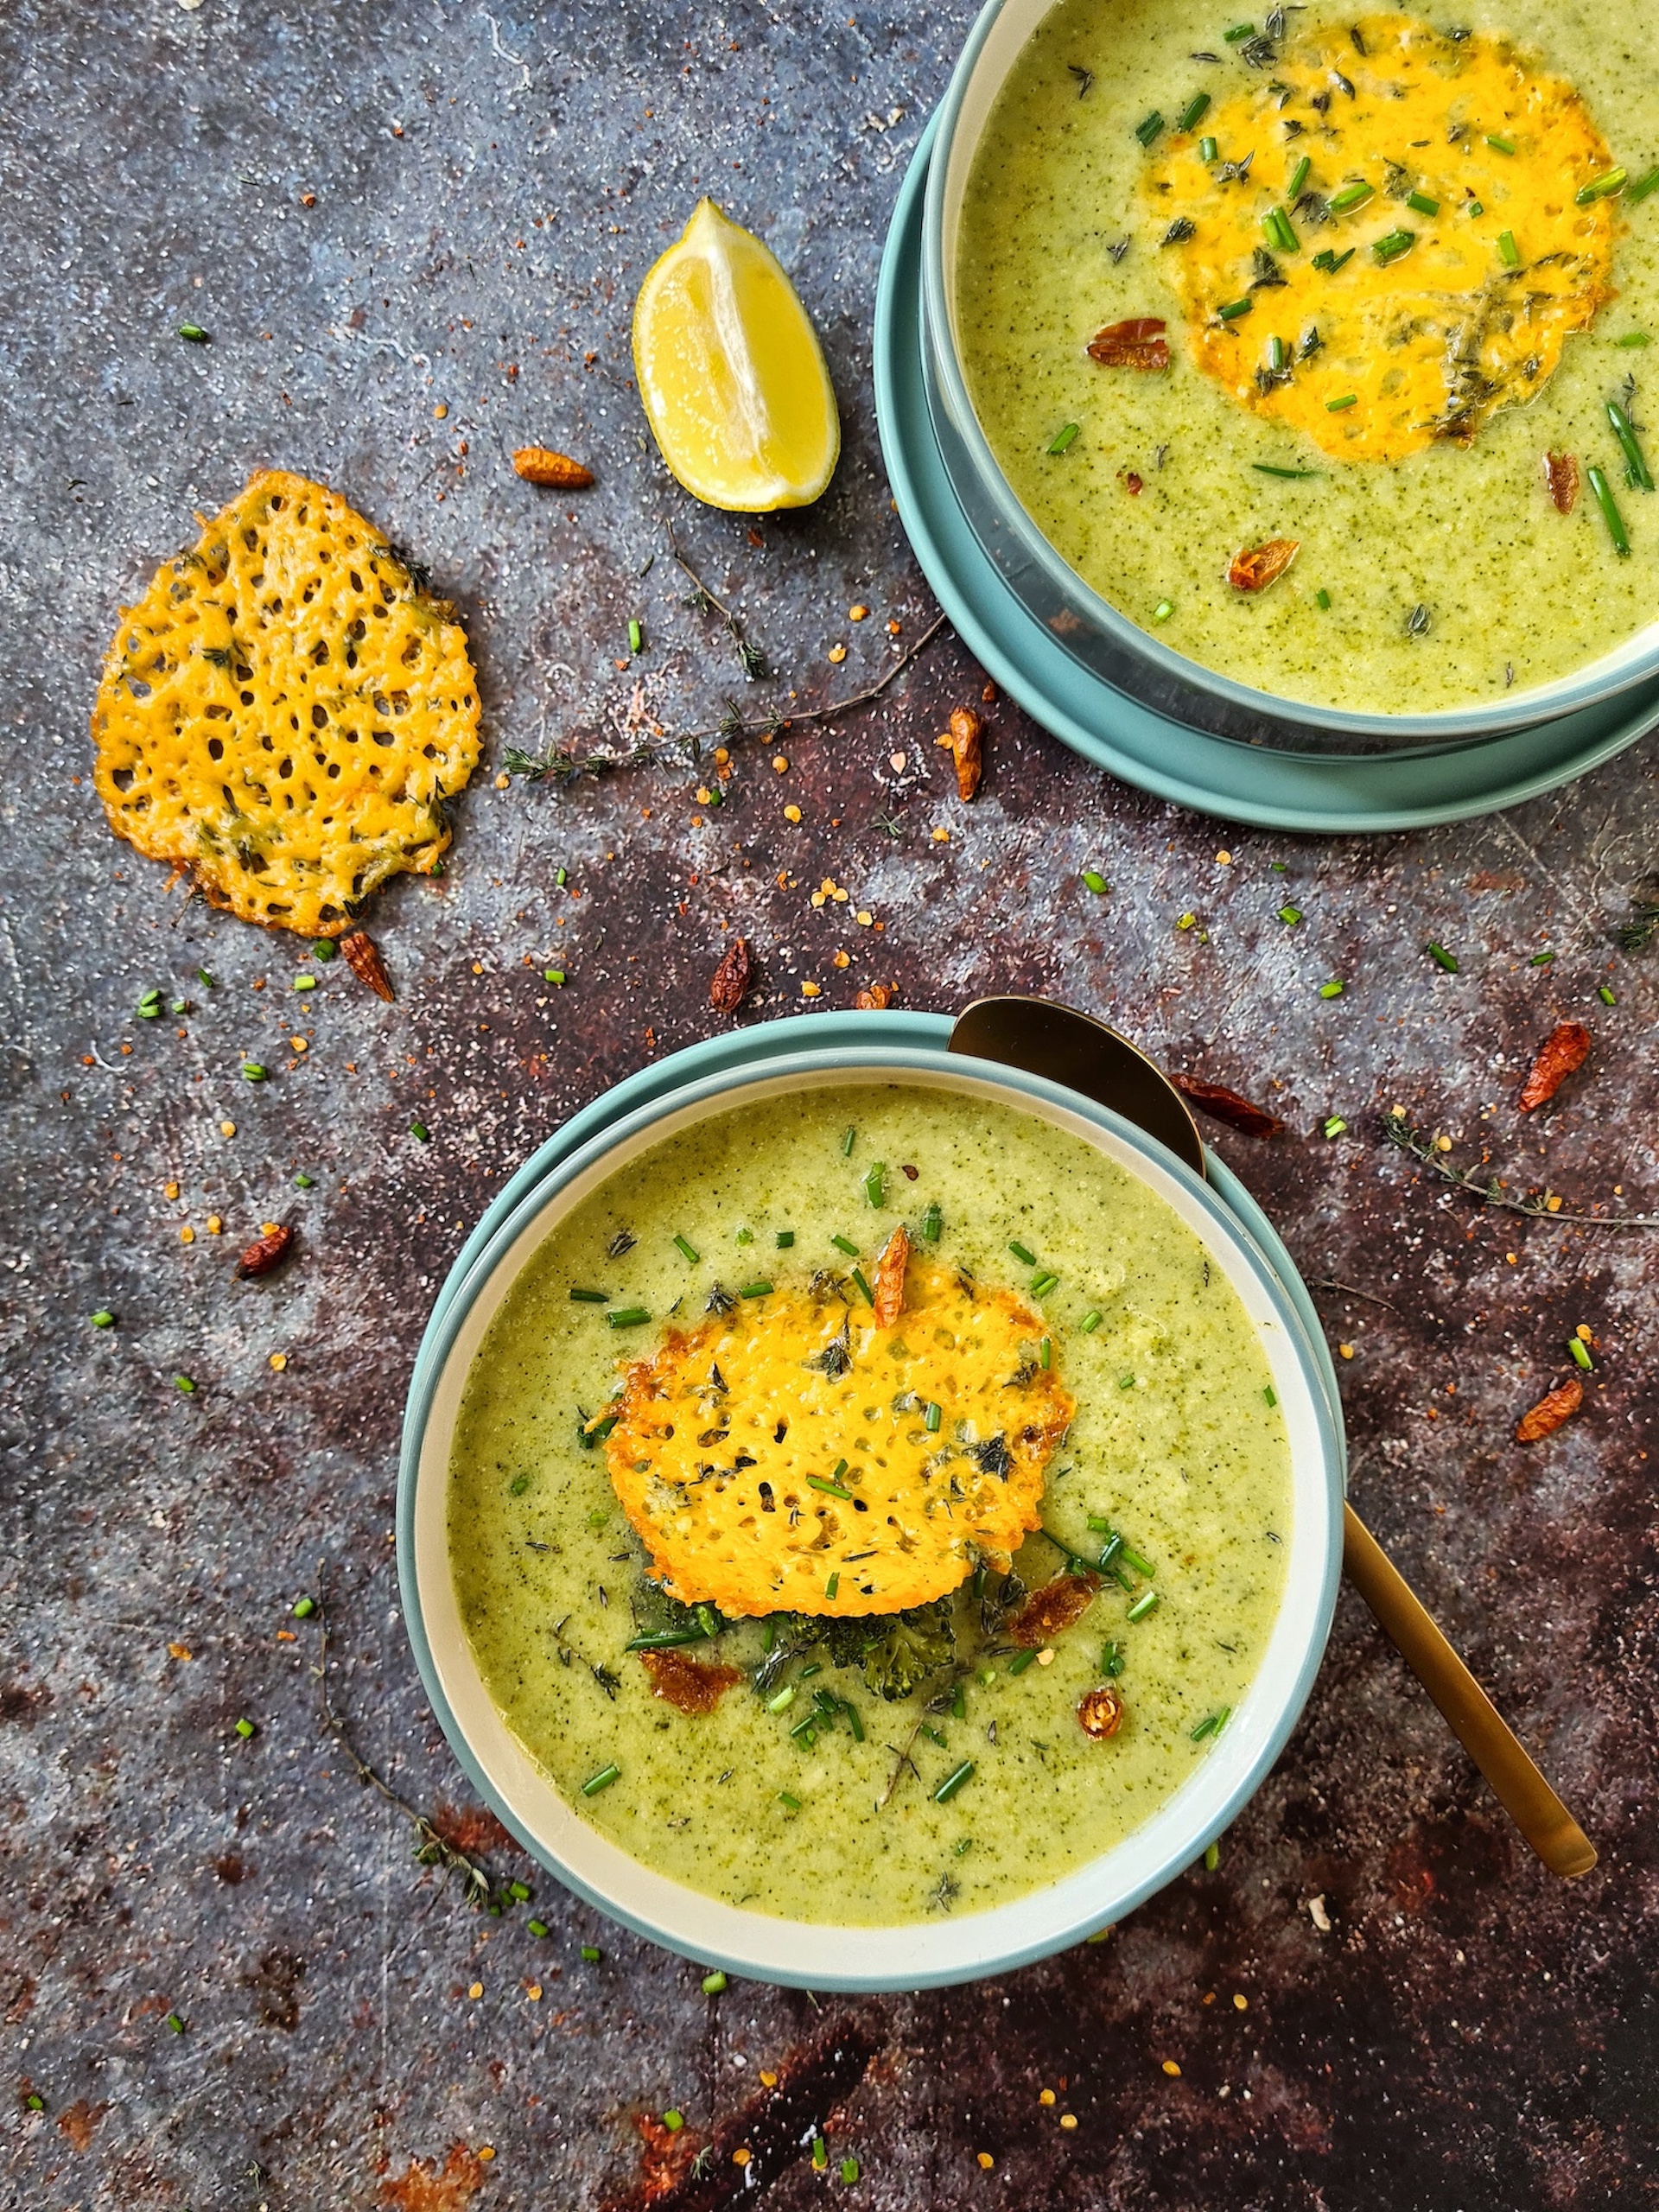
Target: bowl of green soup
{"x":868,"y":1517}
{"x":1290,"y":370}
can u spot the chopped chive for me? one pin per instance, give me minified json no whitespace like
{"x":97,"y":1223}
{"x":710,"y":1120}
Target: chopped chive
{"x":1605,"y":186}
{"x":953,"y":1781}
{"x":790,"y":1804}
{"x":592,"y":1953}
{"x":933,"y":1418}
{"x":627,"y":1316}
{"x":1322,"y":600}
{"x":869,"y":1295}
{"x":693,"y":1256}
{"x":1336,"y":406}
{"x":194,"y":333}
{"x":1041,"y":1285}
{"x":1330,"y":262}
{"x":1211,"y":1857}
{"x":1541,"y":960}
{"x":755,"y":1290}
{"x":1239,"y":31}
{"x":1500,"y":145}
{"x":833,"y":1584}
{"x":1420,"y":204}
{"x":103,"y":1319}
{"x":560,"y":876}
{"x":1290,"y":916}
{"x":1351,"y":196}
{"x":848,"y":1142}
{"x":932,"y":1223}
{"x":1148,"y":127}
{"x":1269,"y":1394}
{"x":1235,"y":309}
{"x":1642,"y":187}
{"x":208,"y":982}
{"x":1021,"y":1253}
{"x":1211,"y":1724}
{"x":1333,"y":988}
{"x":636,"y":637}
{"x":785,"y":1696}
{"x":1393,"y":246}
{"x":602,"y":1780}
{"x":1021,"y":1660}
{"x":305,"y":982}
{"x":245,"y":1729}
{"x":1606,"y":996}
{"x":1636,"y":472}
{"x":853,"y":1720}
{"x":1508,"y":252}
{"x":1094,"y":881}
{"x":1090,"y":1321}
{"x":845,"y":1245}
{"x":1475,"y":207}
{"x":1334,"y":1125}
{"x":1276,"y":224}
{"x":744,"y":1236}
{"x":1272,"y":468}
{"x":664,"y":1639}
{"x":1046,"y":1353}
{"x":875,"y":1184}
{"x":1580,"y":1350}
{"x":786,"y":1238}
{"x":830,"y":1489}
{"x":1633,"y":338}
{"x":519,"y":1893}
{"x":1063,"y":437}
{"x":1208,"y":150}
{"x":673,"y":2121}
{"x":713,"y":1984}
{"x":253,"y":1071}
{"x":1610,"y":513}
{"x":1145,"y":1603}
{"x":552,"y":975}
{"x":849,"y":2171}
{"x":1192,"y":112}
{"x":175,"y":2024}
{"x":1298,"y":178}
{"x":1142,"y":1567}
{"x":1442,"y":957}
{"x":323,"y":949}
{"x":1164,"y":609}
{"x":183,"y":1383}
{"x":536,"y":1927}
{"x":1275,"y":353}
{"x":418,"y":1130}
{"x":1111,"y":1661}
{"x":1126,"y":1382}
{"x":589,"y":1297}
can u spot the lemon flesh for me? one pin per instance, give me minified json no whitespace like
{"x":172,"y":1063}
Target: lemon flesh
{"x":734,"y":380}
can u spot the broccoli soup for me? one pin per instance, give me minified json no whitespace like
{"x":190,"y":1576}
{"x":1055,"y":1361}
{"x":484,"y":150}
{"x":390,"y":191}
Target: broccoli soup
{"x":1314,"y":343}
{"x":869,"y":1503}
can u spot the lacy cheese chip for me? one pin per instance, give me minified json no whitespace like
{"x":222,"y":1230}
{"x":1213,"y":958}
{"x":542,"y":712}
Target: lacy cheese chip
{"x":285,"y":710}
{"x":793,"y":1454}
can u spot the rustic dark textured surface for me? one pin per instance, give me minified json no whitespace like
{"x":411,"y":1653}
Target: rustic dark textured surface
{"x":489,"y":188}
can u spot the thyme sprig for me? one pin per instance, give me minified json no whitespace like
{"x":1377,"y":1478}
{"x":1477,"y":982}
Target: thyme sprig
{"x":940,"y":1702}
{"x":1636,"y":934}
{"x":701,"y":600}
{"x":565,"y":767}
{"x":478,"y":1886}
{"x":1402,"y":1133}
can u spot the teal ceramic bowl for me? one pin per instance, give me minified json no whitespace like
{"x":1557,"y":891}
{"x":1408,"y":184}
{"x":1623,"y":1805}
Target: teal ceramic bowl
{"x":1092,"y":631}
{"x":709,"y":1080}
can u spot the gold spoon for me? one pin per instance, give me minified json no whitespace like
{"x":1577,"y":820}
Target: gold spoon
{"x":1084,"y":1055}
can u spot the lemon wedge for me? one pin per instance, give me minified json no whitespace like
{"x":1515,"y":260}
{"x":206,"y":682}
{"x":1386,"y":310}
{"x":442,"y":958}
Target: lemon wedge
{"x":732,"y":378}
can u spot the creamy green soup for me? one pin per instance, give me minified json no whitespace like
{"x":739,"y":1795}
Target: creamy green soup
{"x":1440,"y":579}
{"x":1178,"y":1449}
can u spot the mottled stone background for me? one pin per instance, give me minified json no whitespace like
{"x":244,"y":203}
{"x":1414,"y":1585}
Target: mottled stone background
{"x":414,"y":230}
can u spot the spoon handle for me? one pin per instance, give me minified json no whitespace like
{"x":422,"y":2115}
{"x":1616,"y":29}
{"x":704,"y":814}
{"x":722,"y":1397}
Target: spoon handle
{"x":1473,"y":1718}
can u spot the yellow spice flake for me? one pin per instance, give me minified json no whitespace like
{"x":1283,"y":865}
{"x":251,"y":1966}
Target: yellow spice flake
{"x":1487,"y":276}
{"x":912,"y":1509}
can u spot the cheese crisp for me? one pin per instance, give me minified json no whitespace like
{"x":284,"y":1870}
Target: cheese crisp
{"x":793,"y":1454}
{"x":1433,"y":256}
{"x":285,"y":710}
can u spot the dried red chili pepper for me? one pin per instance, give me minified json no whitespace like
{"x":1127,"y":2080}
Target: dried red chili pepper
{"x":1137,"y":344}
{"x":1567,"y":1047}
{"x":1256,"y":567}
{"x":1133,"y":485}
{"x":265,"y":1252}
{"x":732,"y":978}
{"x":685,"y":1684}
{"x":966,"y":750}
{"x":1050,"y":1608}
{"x":889,"y":1288}
{"x":878,"y":996}
{"x":1547,"y":1416}
{"x":1100,"y":1713}
{"x":362,"y":957}
{"x":1225,"y":1105}
{"x":1561,"y":480}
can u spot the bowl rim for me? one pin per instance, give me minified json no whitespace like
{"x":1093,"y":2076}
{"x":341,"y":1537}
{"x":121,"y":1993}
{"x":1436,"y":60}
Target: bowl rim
{"x":911,"y":1955}
{"x":1629,"y":663}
